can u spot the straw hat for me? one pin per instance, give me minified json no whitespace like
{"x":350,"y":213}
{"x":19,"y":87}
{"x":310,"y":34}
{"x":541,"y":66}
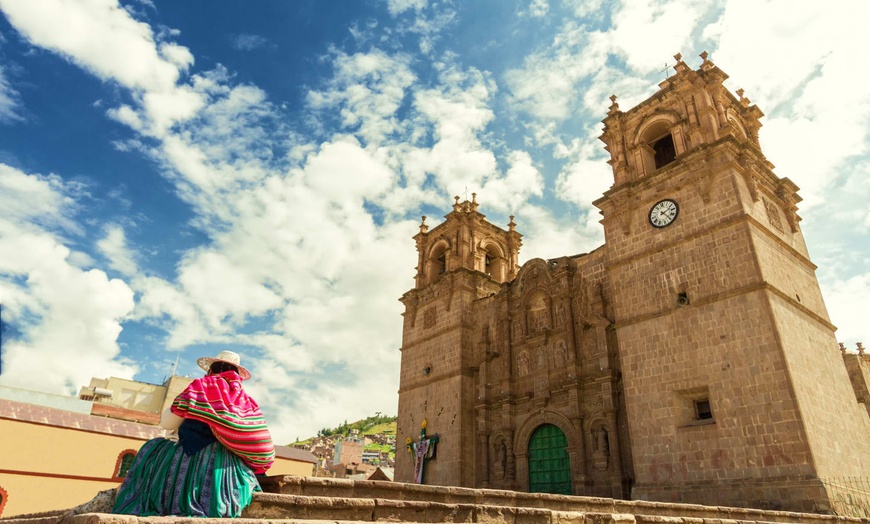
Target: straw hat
{"x":229,"y":357}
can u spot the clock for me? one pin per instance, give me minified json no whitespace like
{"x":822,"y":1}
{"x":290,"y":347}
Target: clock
{"x":663,"y":213}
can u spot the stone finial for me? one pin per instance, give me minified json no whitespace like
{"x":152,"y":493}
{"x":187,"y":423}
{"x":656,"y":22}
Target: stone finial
{"x":743,"y":100}
{"x":474,"y":198}
{"x":842,"y":347}
{"x":511,"y":225}
{"x":680,"y":67}
{"x":861,"y":349}
{"x":614,"y":107}
{"x":423,"y":227}
{"x":706,"y":65}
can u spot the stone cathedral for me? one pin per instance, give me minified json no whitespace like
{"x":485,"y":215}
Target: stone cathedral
{"x":688,"y":359}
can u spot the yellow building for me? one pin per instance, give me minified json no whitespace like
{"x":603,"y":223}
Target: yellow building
{"x":130,"y":400}
{"x":70,"y":454}
{"x":292,"y":461}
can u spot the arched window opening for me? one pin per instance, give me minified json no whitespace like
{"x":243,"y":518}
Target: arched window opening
{"x":494,"y":262}
{"x":665,"y":152}
{"x":3,"y":497}
{"x":437,"y":263}
{"x":658,"y":144}
{"x":125,"y":460}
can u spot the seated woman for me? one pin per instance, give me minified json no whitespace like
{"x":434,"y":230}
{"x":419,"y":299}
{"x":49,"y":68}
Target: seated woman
{"x":223,"y":444}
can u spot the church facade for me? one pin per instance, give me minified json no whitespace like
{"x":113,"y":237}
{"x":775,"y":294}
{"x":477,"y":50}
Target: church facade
{"x":688,"y":359}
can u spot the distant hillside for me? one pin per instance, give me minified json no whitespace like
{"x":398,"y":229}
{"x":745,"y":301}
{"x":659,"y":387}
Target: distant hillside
{"x":375,"y":425}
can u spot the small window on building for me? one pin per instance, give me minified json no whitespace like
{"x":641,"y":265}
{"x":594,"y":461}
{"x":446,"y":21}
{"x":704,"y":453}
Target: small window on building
{"x":693,"y":407}
{"x":125,"y":460}
{"x":702,"y":409}
{"x":665,"y":152}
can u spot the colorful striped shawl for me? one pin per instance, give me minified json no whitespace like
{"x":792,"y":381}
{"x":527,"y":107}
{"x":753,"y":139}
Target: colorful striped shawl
{"x":234,"y":417}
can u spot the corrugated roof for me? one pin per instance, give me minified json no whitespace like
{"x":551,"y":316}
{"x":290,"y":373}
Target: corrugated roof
{"x":292,"y":453}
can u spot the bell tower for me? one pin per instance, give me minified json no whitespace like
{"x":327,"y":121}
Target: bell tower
{"x":459,"y":261}
{"x":735,"y":390}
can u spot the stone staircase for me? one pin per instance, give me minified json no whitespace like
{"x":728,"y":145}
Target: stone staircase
{"x":310,"y":500}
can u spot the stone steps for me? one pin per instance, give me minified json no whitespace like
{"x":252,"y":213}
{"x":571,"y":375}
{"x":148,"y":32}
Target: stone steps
{"x":574,"y":510}
{"x":309,"y":500}
{"x":452,"y":502}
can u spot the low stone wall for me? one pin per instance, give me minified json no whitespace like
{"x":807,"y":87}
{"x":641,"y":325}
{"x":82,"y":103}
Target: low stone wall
{"x":394,"y":491}
{"x":310,"y":500}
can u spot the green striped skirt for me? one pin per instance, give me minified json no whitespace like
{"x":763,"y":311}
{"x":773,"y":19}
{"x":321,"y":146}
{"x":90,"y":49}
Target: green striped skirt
{"x":163,"y":480}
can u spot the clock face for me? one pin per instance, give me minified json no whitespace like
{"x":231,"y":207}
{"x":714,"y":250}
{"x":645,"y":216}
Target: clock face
{"x":663,"y":213}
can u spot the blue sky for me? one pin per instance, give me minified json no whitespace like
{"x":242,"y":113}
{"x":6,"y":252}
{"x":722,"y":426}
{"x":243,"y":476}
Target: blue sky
{"x":181,"y":177}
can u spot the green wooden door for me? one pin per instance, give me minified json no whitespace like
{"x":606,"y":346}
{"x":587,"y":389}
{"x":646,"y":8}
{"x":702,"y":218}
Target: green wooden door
{"x":549,"y":468}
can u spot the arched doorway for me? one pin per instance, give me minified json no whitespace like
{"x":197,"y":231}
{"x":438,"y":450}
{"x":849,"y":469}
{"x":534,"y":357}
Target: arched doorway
{"x":549,"y":466}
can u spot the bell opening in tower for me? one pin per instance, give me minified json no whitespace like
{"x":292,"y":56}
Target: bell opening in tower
{"x":665,"y":152}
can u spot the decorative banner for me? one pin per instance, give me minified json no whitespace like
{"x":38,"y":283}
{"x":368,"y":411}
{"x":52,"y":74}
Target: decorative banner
{"x":423,"y":450}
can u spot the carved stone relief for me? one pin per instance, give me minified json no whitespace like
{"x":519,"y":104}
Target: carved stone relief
{"x":538,"y":314}
{"x":560,"y":354}
{"x":541,"y":360}
{"x":773,"y":215}
{"x":523,"y":363}
{"x":601,"y":448}
{"x":429,"y":318}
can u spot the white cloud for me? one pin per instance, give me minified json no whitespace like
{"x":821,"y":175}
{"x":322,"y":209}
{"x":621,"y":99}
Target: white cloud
{"x":647,"y":33}
{"x":583,"y":181}
{"x":178,"y":55}
{"x":114,"y":247}
{"x":127,"y":116}
{"x":546,"y":236}
{"x":166,"y":108}
{"x":521,"y":181}
{"x":845,"y":300}
{"x":104,"y":38}
{"x":56,"y":308}
{"x":224,"y":291}
{"x":248,"y":42}
{"x":367,"y":90}
{"x":98,"y":35}
{"x":168,"y":306}
{"x":35,"y":200}
{"x":343,"y":170}
{"x":801,"y":72}
{"x":582,"y":8}
{"x":458,"y":112}
{"x":546,"y":86}
{"x":539,"y":8}
{"x":10,"y":100}
{"x":396,"y":7}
